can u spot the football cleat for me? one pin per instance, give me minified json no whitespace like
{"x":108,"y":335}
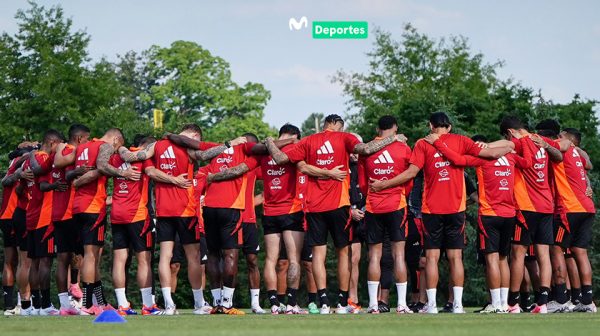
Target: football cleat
{"x":75,"y":291}
{"x":124,"y":311}
{"x":541,"y":309}
{"x":313,"y":308}
{"x":403,"y":310}
{"x":383,"y":307}
{"x":516,"y":309}
{"x":204,"y":310}
{"x":295,"y":310}
{"x":373,"y":310}
{"x":69,"y":311}
{"x":258,"y":310}
{"x":13,"y":312}
{"x":233,"y":311}
{"x":324,"y":310}
{"x":154,"y":310}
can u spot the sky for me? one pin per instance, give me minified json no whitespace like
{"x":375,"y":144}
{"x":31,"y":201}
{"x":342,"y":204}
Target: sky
{"x":549,"y":45}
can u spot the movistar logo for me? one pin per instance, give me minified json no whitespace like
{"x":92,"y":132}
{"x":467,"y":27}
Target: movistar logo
{"x":297,"y":25}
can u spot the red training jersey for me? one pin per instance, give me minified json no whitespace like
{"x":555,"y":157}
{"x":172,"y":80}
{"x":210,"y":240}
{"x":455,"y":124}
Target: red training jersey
{"x":9,"y":194}
{"x":90,"y":198}
{"x":571,"y":182}
{"x":280,"y":187}
{"x":130,"y":198}
{"x":62,"y":201}
{"x":249,"y":213}
{"x":39,"y":209}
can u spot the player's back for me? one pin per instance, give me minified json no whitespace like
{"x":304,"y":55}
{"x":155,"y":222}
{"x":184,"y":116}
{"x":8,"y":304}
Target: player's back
{"x":91,"y":197}
{"x":571,"y":183}
{"x":532,"y":185}
{"x":496,"y":180}
{"x":172,"y":201}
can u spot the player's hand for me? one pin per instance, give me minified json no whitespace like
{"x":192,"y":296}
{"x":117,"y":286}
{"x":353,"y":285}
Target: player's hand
{"x":182,"y":181}
{"x":83,"y":169}
{"x":132,"y":174}
{"x":238,"y":141}
{"x":481,"y":144}
{"x":357,"y":214}
{"x":60,"y":147}
{"x":431,"y":138}
{"x":589,"y":192}
{"x":27,"y":175}
{"x":515,"y":134}
{"x":337,"y":173}
{"x":401,"y":138}
{"x":60,"y":185}
{"x":376,"y":185}
{"x":538,"y":141}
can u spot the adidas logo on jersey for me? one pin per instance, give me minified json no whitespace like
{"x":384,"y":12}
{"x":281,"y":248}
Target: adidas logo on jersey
{"x":272,"y":162}
{"x":84,"y":155}
{"x":125,"y":166}
{"x":228,"y":151}
{"x":437,"y":155}
{"x":326,"y":148}
{"x":576,"y":154}
{"x":168,"y":153}
{"x":503,"y":161}
{"x":384,"y":157}
{"x":541,"y":154}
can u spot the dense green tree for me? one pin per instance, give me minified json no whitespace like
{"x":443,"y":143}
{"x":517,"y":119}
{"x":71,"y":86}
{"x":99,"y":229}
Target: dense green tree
{"x":312,"y":123}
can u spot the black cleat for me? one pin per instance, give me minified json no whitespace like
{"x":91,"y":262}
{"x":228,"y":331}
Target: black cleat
{"x":383,"y":307}
{"x":448,"y":308}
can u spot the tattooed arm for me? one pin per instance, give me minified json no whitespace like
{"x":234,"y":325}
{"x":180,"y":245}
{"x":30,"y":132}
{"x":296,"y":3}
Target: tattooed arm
{"x":376,"y":145}
{"x":206,"y":155}
{"x":9,"y":180}
{"x":105,"y":151}
{"x":554,"y":153}
{"x":278,"y":156}
{"x":141,"y":155}
{"x":159,"y":176}
{"x":228,"y":174}
{"x":36,"y":167}
{"x":586,"y":157}
{"x":261,"y":149}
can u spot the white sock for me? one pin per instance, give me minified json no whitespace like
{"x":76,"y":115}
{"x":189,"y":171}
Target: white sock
{"x":373,"y":287}
{"x":198,"y":298}
{"x":254,"y":298}
{"x":153,"y":299}
{"x":495,"y":294}
{"x":401,"y":290}
{"x":63,"y":298}
{"x":166,"y":292}
{"x":94,"y":300}
{"x":458,"y":291}
{"x":504,"y":296}
{"x":147,"y":297}
{"x":431,"y":297}
{"x":227,"y":300}
{"x":121,"y":298}
{"x":216,"y":294}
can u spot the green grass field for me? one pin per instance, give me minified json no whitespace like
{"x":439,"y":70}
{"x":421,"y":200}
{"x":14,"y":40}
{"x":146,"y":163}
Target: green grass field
{"x":363,"y":325}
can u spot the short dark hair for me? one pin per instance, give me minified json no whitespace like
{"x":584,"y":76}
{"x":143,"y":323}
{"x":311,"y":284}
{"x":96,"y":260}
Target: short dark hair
{"x":250,"y":136}
{"x":146,"y":140}
{"x":333,"y":118}
{"x":575,"y":133}
{"x":440,"y":119}
{"x":547,"y":133}
{"x":137,"y":140}
{"x":290,"y":129}
{"x":510,"y":122}
{"x":76,"y":129}
{"x":193,"y":128}
{"x":387,"y":122}
{"x":51,"y":135}
{"x":550,"y":125}
{"x":479,"y":138}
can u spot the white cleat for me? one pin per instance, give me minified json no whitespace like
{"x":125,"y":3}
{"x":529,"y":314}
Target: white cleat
{"x":431,"y":310}
{"x":458,"y":310}
{"x":13,"y":312}
{"x":589,"y":308}
{"x":275,"y":310}
{"x":204,"y":310}
{"x":403,"y":310}
{"x":50,"y":311}
{"x":30,"y":311}
{"x":555,"y":307}
{"x":258,"y":310}
{"x":343,"y":309}
{"x":171,"y":310}
{"x":325,"y":310}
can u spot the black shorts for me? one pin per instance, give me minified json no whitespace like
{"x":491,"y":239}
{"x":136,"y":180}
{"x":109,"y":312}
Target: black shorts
{"x":530,"y":254}
{"x":287,"y":222}
{"x":223,"y":228}
{"x":178,"y":252}
{"x":93,"y":228}
{"x":306,"y":254}
{"x":133,"y":235}
{"x":67,"y":237}
{"x":573,"y":229}
{"x":414,"y":247}
{"x":9,"y":238}
{"x":394,"y":223}
{"x":386,"y":263}
{"x":250,"y":238}
{"x":186,"y":228}
{"x":533,"y":228}
{"x":359,"y":231}
{"x":40,"y":243}
{"x":20,"y":227}
{"x":283,"y":251}
{"x":444,"y":231}
{"x":336,"y":222}
{"x":203,"y":250}
{"x":495,"y":233}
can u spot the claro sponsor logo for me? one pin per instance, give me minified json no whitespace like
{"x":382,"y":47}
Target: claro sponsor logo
{"x":276,"y":172}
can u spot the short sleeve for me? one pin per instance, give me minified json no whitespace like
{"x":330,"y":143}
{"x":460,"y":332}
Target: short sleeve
{"x":252,"y":163}
{"x":297,"y":152}
{"x":553,"y":143}
{"x":247,"y":147}
{"x":350,"y":141}
{"x":417,"y":157}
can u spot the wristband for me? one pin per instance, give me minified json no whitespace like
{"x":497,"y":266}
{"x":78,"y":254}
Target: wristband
{"x":227,"y":144}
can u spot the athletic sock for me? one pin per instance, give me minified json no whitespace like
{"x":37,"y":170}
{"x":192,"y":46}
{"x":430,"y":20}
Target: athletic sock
{"x":586,"y":294}
{"x":560,"y":293}
{"x":254,"y":297}
{"x":74,"y":275}
{"x":273,"y":300}
{"x":166,"y":292}
{"x":525,"y":300}
{"x":536,"y":296}
{"x":121,"y":297}
{"x":198,"y":298}
{"x":46,"y":303}
{"x":458,"y":292}
{"x":36,"y":298}
{"x":431,"y":297}
{"x":575,"y":295}
{"x":568,"y":294}
{"x":25,"y":304}
{"x":513,"y":298}
{"x":63,"y":299}
{"x":88,"y":294}
{"x":227,"y":300}
{"x":147,"y":296}
{"x":99,"y":293}
{"x":343,"y":298}
{"x":503,"y":296}
{"x":323,"y":299}
{"x":216,"y":294}
{"x":281,"y":298}
{"x":543,"y":296}
{"x":401,"y":289}
{"x":9,"y":292}
{"x":312,"y":297}
{"x":291,"y":297}
{"x":373,"y":287}
{"x":496,"y":301}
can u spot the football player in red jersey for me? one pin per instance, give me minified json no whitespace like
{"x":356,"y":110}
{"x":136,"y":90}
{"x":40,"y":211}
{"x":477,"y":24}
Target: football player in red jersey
{"x":444,"y":202}
{"x":328,"y":201}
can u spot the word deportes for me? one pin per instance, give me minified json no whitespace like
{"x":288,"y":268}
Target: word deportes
{"x":340,"y":29}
